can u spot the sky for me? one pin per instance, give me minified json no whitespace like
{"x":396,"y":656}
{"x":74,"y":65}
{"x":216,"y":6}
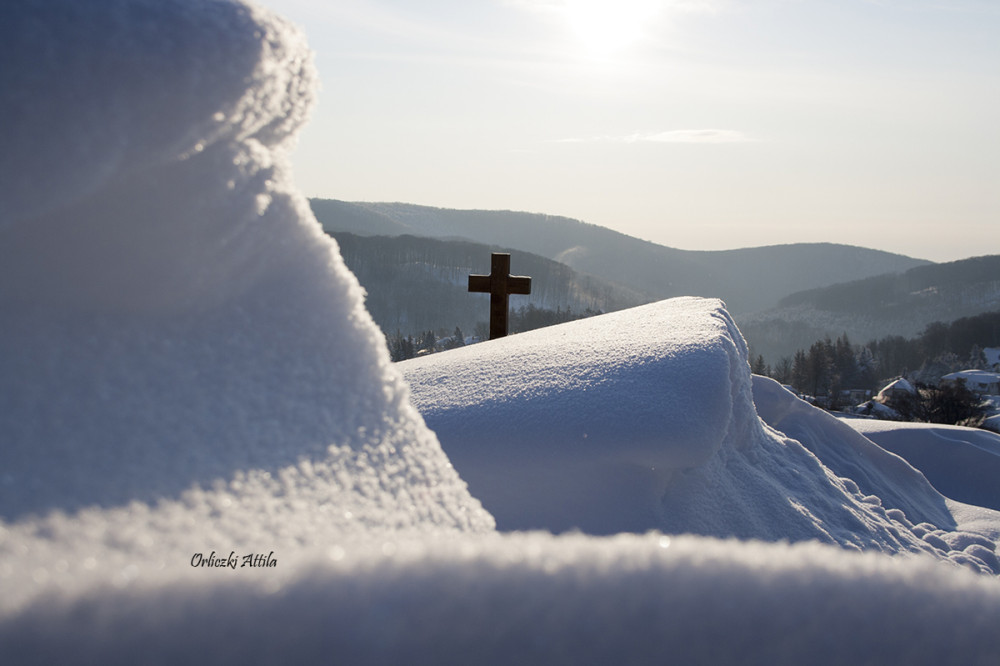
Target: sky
{"x":698,"y":124}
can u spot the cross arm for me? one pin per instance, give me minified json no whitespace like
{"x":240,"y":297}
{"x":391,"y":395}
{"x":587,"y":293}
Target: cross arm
{"x":519,"y":284}
{"x":480,"y":283}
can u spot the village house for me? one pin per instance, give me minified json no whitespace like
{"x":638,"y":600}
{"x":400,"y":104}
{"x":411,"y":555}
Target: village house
{"x":977,"y":381}
{"x":895,"y":389}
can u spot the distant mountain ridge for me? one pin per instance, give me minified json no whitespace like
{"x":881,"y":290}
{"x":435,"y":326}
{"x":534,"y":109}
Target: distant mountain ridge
{"x":783,"y":297}
{"x":748,"y":280}
{"x":955,"y":286}
{"x":876,"y":307}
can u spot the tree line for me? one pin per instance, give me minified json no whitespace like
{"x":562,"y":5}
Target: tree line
{"x":525,"y":318}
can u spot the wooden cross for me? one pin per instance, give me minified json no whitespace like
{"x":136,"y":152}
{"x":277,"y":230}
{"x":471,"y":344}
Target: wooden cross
{"x":499,"y":284}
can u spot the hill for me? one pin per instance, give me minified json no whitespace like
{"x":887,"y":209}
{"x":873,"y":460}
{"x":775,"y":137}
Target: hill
{"x":748,"y":280}
{"x":660,"y":422}
{"x":955,"y":289}
{"x":893,"y":304}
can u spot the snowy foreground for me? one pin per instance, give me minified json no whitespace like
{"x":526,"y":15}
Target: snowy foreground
{"x":963,"y":463}
{"x":649,"y":419}
{"x":189,"y":377}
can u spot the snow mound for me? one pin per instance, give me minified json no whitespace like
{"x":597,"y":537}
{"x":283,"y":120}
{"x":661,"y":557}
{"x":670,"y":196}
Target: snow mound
{"x":189,"y":364}
{"x":538,"y":599}
{"x":589,"y":416}
{"x":646,"y":419}
{"x":961,"y":533}
{"x":850,"y":455}
{"x":962,"y":463}
{"x":92,"y":94}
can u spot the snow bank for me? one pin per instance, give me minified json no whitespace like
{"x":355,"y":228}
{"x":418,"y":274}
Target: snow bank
{"x":534,"y":422}
{"x":962,"y":463}
{"x":188,"y":364}
{"x":647,"y":419}
{"x":850,"y":455}
{"x":92,"y":94}
{"x":539,"y":599}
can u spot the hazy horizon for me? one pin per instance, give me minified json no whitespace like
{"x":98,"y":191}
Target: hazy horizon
{"x":696,"y":124}
{"x":556,"y":215}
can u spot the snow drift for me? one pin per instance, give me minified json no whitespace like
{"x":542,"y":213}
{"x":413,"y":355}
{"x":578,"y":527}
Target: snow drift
{"x":188,"y":375}
{"x":963,"y":463}
{"x":538,"y":599}
{"x":534,"y":421}
{"x":177,"y":330}
{"x":647,"y":419}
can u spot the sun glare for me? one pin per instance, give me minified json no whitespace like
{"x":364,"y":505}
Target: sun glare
{"x":607,"y":27}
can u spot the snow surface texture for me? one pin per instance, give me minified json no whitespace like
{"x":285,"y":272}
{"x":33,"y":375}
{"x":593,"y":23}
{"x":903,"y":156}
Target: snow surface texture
{"x":646,"y":419}
{"x":539,"y":599}
{"x":963,"y":463}
{"x":533,"y":422}
{"x":895,"y":491}
{"x":182,"y":344}
{"x":187,"y":367}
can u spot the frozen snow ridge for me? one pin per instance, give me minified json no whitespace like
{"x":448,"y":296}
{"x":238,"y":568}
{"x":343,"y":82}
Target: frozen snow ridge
{"x":182,"y":342}
{"x":649,"y":419}
{"x":584,"y":425}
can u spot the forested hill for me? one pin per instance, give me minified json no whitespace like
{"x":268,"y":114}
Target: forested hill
{"x":747,"y":280}
{"x":417,"y":284}
{"x":902,"y":304}
{"x":951,"y":287}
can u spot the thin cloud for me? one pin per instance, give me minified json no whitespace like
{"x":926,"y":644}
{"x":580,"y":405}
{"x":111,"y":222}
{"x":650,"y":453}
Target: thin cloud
{"x":699,"y":136}
{"x":671,"y":136}
{"x":558,"y":6}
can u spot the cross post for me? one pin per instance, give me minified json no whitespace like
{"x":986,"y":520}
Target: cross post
{"x":499,"y":284}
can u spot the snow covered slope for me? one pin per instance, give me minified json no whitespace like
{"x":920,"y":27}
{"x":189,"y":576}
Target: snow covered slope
{"x":188,"y":376}
{"x":962,"y":463}
{"x":534,"y":421}
{"x":183,"y":346}
{"x":646,"y":419}
{"x":534,"y":599}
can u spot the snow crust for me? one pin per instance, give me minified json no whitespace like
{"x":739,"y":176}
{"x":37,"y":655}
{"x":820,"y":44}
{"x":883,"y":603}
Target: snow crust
{"x":188,"y":373}
{"x":534,"y":422}
{"x":649,"y":419}
{"x":962,"y":463}
{"x":187,"y":365}
{"x":540,"y":599}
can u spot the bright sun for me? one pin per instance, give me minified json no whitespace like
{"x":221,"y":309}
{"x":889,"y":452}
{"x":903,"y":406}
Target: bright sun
{"x":606,"y":27}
